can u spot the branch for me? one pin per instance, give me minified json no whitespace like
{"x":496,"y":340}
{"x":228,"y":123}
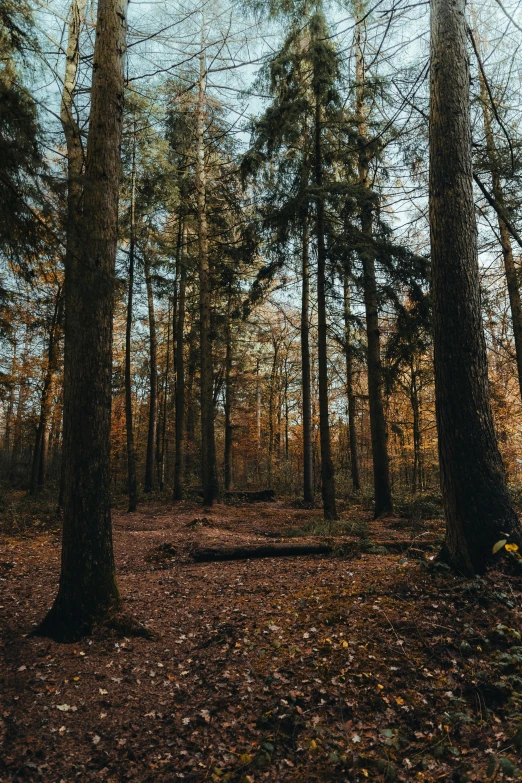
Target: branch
{"x":499,"y":210}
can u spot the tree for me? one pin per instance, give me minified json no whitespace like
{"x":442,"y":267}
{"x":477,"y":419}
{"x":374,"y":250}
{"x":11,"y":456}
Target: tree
{"x":381,"y":468}
{"x":208,"y":444}
{"x":88,"y":589}
{"x":476,"y":502}
{"x":131,"y":453}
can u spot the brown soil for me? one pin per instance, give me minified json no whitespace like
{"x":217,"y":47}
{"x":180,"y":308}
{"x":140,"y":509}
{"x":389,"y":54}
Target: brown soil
{"x":352,"y":667}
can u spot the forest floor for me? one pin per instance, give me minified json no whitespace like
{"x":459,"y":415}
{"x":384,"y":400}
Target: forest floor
{"x":365,"y":664}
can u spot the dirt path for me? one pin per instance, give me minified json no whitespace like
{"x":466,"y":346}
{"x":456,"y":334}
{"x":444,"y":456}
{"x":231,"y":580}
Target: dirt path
{"x":306,"y":669}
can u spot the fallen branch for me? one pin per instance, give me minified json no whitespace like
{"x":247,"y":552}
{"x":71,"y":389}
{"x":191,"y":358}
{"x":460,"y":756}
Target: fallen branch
{"x":344,"y":547}
{"x":265,"y":495}
{"x":213,"y":553}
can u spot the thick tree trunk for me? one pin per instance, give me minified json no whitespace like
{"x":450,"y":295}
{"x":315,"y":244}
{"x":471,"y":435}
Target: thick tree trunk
{"x":208,"y":446}
{"x":131,"y":452}
{"x":308,"y":480}
{"x":327,"y":468}
{"x":153,"y":397}
{"x":379,"y":435}
{"x":88,"y":590}
{"x":476,"y":502}
{"x":354,"y":459}
{"x":179,"y":460}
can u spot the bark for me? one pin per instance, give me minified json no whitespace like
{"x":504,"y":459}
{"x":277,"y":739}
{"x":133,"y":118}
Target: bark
{"x":352,"y":432}
{"x":179,"y":466}
{"x":258,"y":414}
{"x":10,"y":408}
{"x":476,"y":502}
{"x":75,"y":167}
{"x":378,"y":429}
{"x":327,"y":468}
{"x":88,"y":589}
{"x":228,"y":399}
{"x":287,"y":411}
{"x":153,"y":397}
{"x":505,"y":237}
{"x":417,"y":443}
{"x":208,"y":446}
{"x":191,"y":407}
{"x":163,"y":442}
{"x":213,"y":554}
{"x":261,"y":496}
{"x":131,"y":452}
{"x":271,"y":397}
{"x":308,"y":480}
{"x":41,"y":447}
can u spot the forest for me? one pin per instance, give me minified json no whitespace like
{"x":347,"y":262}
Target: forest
{"x":260,"y":390}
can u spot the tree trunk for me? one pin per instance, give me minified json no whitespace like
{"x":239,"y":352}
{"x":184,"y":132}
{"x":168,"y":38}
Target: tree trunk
{"x":208,"y":446}
{"x":131,"y":452}
{"x":308,"y":480}
{"x":379,"y":435}
{"x":75,"y":167}
{"x":476,"y":502}
{"x":352,"y":432}
{"x":505,"y":236}
{"x":228,"y":399}
{"x":327,"y":468}
{"x":163,"y":441}
{"x":287,"y":415}
{"x":10,"y":409}
{"x":41,"y":447}
{"x":415,"y":406}
{"x":179,"y":466}
{"x":271,"y":396}
{"x":88,"y":590}
{"x":153,"y":398}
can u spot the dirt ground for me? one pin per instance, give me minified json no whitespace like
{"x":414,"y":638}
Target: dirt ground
{"x":365,"y":664}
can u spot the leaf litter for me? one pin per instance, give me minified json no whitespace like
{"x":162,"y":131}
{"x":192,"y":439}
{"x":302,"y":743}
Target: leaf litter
{"x":367,"y":666}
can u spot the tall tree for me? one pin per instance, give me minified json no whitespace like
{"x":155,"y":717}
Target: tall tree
{"x":208,"y":445}
{"x":306,"y":381}
{"x":476,"y":502}
{"x":497,"y":189}
{"x":131,"y":452}
{"x":324,"y":64}
{"x":379,"y":435}
{"x":179,"y":459}
{"x":350,"y":392}
{"x":41,"y":446}
{"x":88,"y":589}
{"x":153,"y":380}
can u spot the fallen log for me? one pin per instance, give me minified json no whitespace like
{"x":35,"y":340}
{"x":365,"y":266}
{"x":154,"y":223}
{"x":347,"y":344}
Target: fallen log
{"x":263,"y":496}
{"x":344,"y":548}
{"x":213,"y":553}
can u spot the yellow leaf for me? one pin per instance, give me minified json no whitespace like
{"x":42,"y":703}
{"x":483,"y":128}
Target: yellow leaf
{"x":399,"y":700}
{"x":344,"y":643}
{"x":498,"y":546}
{"x":365,"y":772}
{"x":511,"y":547}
